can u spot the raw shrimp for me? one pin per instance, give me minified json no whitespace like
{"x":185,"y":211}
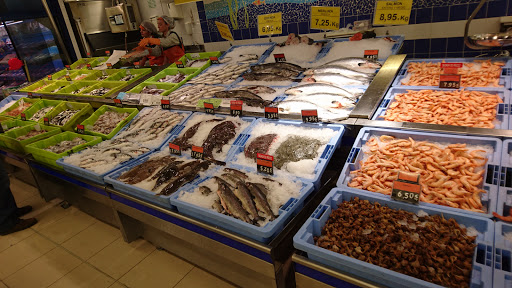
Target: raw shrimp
{"x":458,"y":186}
{"x":458,"y":107}
{"x":479,"y":73}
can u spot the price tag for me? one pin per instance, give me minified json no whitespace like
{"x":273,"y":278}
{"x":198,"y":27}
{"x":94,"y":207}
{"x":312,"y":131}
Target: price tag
{"x":407,"y":188}
{"x":265,"y":163}
{"x":174,"y":149}
{"x":325,"y":18}
{"x":236,"y":108}
{"x":166,"y":104}
{"x":208,"y":108}
{"x":451,"y":68}
{"x":3,"y":128}
{"x":309,"y":116}
{"x":80,"y":129}
{"x":68,"y":67}
{"x":107,"y":53}
{"x":89,"y":67}
{"x":270,"y":24}
{"x":118,"y":103}
{"x":23,"y":117}
{"x":214,"y":60}
{"x":29,"y":94}
{"x":392,"y":12}
{"x":371,"y":54}
{"x":449,"y":81}
{"x":109,"y":65}
{"x":46,"y":121}
{"x":279,"y":58}
{"x":224,"y":31}
{"x":179,"y":64}
{"x":197,"y":152}
{"x":49,"y":77}
{"x":89,"y":54}
{"x":271,"y":113}
{"x":68,"y":77}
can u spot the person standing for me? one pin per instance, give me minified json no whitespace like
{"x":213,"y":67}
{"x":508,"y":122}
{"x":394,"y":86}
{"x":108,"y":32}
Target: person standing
{"x":169,"y":41}
{"x":10,"y":214}
{"x":155,"y":57}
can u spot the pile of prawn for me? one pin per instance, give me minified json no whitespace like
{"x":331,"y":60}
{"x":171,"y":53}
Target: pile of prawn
{"x":450,"y":176}
{"x":457,"y":107}
{"x":479,"y":73}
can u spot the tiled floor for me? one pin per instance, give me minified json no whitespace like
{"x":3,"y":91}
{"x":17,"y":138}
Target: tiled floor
{"x":69,"y":248}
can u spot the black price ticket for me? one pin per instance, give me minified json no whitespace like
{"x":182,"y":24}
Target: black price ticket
{"x":174,"y":149}
{"x":271,"y":113}
{"x":80,"y":129}
{"x":279,"y":58}
{"x":208,"y":108}
{"x":197,"y":152}
{"x":265,"y":163}
{"x":236,"y":108}
{"x":309,"y":116}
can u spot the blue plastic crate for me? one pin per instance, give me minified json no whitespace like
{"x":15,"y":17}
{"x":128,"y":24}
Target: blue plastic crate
{"x":491,"y":176}
{"x":502,"y":110}
{"x":263,"y":56}
{"x":394,"y":50}
{"x":481,"y":275}
{"x":186,"y":114}
{"x":261,"y":234}
{"x":502,"y":256}
{"x":160,"y":200}
{"x":505,"y":179}
{"x":181,"y":129}
{"x":504,"y":79}
{"x":8,"y":99}
{"x":325,"y":157}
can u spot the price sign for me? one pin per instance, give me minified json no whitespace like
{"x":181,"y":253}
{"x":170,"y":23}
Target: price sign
{"x":279,"y":58}
{"x":449,"y":81}
{"x":68,"y":67}
{"x":270,"y":24}
{"x":309,"y":116}
{"x":236,"y":108}
{"x":29,"y":94}
{"x":80,"y":129}
{"x":109,"y":65}
{"x":179,"y":64}
{"x":451,"y":68}
{"x":107,"y":53}
{"x":197,"y":152}
{"x":23,"y":117}
{"x":68,"y":77}
{"x":49,"y":77}
{"x":265,"y":163}
{"x":89,"y":67}
{"x":165,"y":103}
{"x":406,"y":188}
{"x":118,"y":103}
{"x":392,"y":12}
{"x":89,"y":54}
{"x":371,"y":54}
{"x":174,"y":149}
{"x":325,"y":18}
{"x":46,"y":121}
{"x":208,"y":108}
{"x":214,"y":60}
{"x":271,"y":113}
{"x":224,"y":31}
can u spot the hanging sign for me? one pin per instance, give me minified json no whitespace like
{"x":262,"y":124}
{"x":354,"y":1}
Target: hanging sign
{"x":325,"y":18}
{"x":224,"y":31}
{"x":270,"y":24}
{"x":394,"y":12}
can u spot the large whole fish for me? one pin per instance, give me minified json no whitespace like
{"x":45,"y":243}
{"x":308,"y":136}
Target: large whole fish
{"x":356,"y":63}
{"x":340,"y":70}
{"x":295,"y":106}
{"x":326,"y":100}
{"x":249,"y":98}
{"x":337,"y":79}
{"x":257,"y":89}
{"x":315,"y":88}
{"x":253,"y":76}
{"x":278,"y":65}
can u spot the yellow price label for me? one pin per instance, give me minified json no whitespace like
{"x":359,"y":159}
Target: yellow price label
{"x":224,"y":31}
{"x":270,"y":24}
{"x":392,"y":12}
{"x":325,"y":18}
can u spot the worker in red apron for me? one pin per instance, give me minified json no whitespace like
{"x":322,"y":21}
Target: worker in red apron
{"x":170,"y":42}
{"x":155,"y":57}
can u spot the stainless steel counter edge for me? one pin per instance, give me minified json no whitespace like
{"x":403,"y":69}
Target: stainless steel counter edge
{"x":248,"y":242}
{"x":323,"y":269}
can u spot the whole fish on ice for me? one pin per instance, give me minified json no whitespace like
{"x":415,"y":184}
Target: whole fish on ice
{"x":340,"y":70}
{"x":356,"y":63}
{"x":337,"y":79}
{"x":315,"y":88}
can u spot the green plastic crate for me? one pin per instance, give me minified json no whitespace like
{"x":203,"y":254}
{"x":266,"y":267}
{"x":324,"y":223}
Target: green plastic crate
{"x":37,"y":85}
{"x":193,"y":56}
{"x":17,"y":104}
{"x":79,"y":62}
{"x":37,"y":149}
{"x":9,"y":137}
{"x":138,"y":73}
{"x":89,"y":122}
{"x":190,"y":72}
{"x":56,"y":84}
{"x":62,"y":73}
{"x":30,"y":111}
{"x":77,"y":86}
{"x":92,"y":75}
{"x":7,"y":124}
{"x":98,"y":60}
{"x":114,"y":86}
{"x":84,"y":113}
{"x":169,"y":87}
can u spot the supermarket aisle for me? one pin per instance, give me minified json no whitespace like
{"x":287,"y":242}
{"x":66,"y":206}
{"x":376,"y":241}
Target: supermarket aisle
{"x":69,"y":248}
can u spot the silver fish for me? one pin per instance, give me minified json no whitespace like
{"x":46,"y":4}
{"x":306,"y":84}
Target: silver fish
{"x":242,"y":192}
{"x":356,"y":63}
{"x":315,"y":88}
{"x":337,"y":79}
{"x":326,"y":100}
{"x":340,"y":70}
{"x":260,"y":200}
{"x":295,"y":106}
{"x":230,"y":202}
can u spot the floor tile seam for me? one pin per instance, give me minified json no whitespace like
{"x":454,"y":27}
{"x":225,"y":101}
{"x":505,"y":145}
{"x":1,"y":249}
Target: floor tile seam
{"x":90,"y":257}
{"x":15,"y":243}
{"x":177,"y":283}
{"x":21,"y":268}
{"x":87,"y":263}
{"x":95,"y":220}
{"x":4,"y":283}
{"x":136,"y":264}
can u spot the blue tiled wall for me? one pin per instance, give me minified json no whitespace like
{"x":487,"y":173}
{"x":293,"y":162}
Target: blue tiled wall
{"x":296,"y":20}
